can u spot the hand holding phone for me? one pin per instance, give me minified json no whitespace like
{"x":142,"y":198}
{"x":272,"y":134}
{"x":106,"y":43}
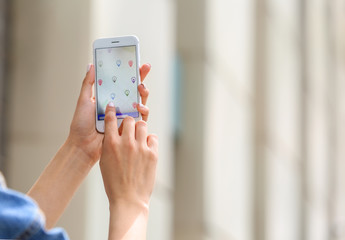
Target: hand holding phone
{"x":117,"y":77}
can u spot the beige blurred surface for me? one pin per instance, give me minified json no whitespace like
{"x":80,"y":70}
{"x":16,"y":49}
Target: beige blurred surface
{"x":246,"y":96}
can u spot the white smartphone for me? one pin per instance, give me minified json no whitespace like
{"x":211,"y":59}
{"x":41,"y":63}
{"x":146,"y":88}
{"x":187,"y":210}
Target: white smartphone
{"x":117,"y":77}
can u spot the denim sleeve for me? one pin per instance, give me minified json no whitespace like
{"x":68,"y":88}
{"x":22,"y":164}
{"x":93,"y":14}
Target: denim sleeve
{"x":20,"y":218}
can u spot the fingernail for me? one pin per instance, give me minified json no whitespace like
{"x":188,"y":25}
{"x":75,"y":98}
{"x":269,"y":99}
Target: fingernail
{"x":89,"y":67}
{"x":143,"y":85}
{"x":149,"y":65}
{"x":111,"y":104}
{"x":141,"y":105}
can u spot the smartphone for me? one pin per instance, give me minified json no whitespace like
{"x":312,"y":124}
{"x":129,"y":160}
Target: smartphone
{"x":117,"y":77}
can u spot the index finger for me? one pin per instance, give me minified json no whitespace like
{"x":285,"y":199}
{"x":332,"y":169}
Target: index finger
{"x":110,"y":121}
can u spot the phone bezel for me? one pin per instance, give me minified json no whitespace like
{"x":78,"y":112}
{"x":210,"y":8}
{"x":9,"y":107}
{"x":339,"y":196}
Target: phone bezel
{"x":122,"y":41}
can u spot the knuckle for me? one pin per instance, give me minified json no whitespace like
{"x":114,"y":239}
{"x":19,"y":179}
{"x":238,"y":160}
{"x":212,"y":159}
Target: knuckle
{"x":142,"y":148}
{"x":153,"y":156}
{"x":114,"y":141}
{"x":108,"y":117}
{"x":154,"y":139}
{"x":146,"y":111}
{"x":146,"y":92}
{"x":129,"y":120}
{"x":141,"y":124}
{"x":130,"y":145}
{"x":110,"y":142}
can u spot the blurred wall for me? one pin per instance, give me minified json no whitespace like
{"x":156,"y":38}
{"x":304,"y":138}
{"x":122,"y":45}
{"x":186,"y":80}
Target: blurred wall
{"x":251,"y":123}
{"x":214,"y":146}
{"x":260,"y":149}
{"x":303,"y":62}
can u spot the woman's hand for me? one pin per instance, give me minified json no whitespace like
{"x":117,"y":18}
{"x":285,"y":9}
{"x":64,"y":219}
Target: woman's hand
{"x":83,"y":132}
{"x":128,"y":166}
{"x":78,"y":154}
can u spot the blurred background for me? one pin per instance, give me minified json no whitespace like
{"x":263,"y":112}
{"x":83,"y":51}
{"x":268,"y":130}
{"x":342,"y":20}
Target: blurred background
{"x":246,"y":96}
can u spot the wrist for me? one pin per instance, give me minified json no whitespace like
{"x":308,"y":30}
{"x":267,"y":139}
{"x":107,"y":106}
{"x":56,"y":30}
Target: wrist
{"x":124,"y":205}
{"x":128,"y":220}
{"x":79,"y":151}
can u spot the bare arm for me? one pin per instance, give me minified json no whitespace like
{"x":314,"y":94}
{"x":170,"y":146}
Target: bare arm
{"x":61,"y":178}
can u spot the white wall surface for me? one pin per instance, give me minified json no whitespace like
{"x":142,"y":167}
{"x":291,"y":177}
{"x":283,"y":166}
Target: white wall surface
{"x":228,"y":113}
{"x":283,"y":120}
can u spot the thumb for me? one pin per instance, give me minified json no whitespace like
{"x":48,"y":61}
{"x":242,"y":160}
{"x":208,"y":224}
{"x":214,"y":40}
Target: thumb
{"x":110,"y":120}
{"x":86,"y":88}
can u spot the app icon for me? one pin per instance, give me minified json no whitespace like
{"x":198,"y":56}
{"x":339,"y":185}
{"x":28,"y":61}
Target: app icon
{"x":127,"y":92}
{"x":100,"y":81}
{"x":130,"y":63}
{"x":112,"y":95}
{"x":114,"y":79}
{"x":133,"y":79}
{"x":118,"y":63}
{"x":100,"y":63}
{"x":134,"y":105}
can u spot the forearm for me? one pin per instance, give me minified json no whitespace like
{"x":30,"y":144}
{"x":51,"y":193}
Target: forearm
{"x":128,"y":221}
{"x":61,"y":178}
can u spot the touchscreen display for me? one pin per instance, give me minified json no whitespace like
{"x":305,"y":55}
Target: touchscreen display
{"x":117,"y":80}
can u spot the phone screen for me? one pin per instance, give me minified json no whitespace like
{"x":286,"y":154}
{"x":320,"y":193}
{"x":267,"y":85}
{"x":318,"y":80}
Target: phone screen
{"x":117,"y":80}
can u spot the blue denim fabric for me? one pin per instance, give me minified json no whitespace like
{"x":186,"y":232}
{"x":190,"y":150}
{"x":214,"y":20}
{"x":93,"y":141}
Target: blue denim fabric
{"x":20,"y":218}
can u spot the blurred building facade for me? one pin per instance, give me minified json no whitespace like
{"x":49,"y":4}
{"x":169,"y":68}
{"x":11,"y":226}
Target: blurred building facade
{"x":262,"y":137}
{"x":245,"y":95}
